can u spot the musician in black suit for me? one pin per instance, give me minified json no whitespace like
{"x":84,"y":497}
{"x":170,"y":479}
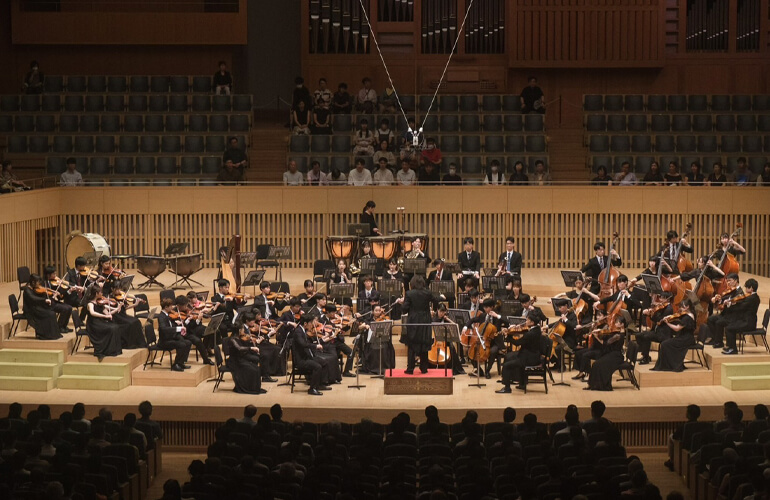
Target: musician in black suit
{"x":509,"y":261}
{"x":318,"y":308}
{"x":600,"y":262}
{"x":470,"y":262}
{"x":305,"y":356}
{"x":224,"y":303}
{"x":170,"y":336}
{"x":529,"y":354}
{"x":739,"y":315}
{"x":441,"y":274}
{"x":289,"y":320}
{"x":418,"y":338}
{"x":487,"y":316}
{"x":621,"y":295}
{"x":268,"y":308}
{"x":194,"y":328}
{"x":59,"y":304}
{"x":77,"y":280}
{"x":368,"y":296}
{"x":307,"y":298}
{"x":671,"y":250}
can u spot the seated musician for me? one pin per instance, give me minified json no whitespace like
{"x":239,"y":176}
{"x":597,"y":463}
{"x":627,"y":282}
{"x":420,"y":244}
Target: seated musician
{"x":487,"y":315}
{"x":528,"y":306}
{"x":105,"y":335}
{"x":108,"y":274}
{"x":611,"y":357}
{"x":268,"y":307}
{"x":470,"y":262}
{"x":591,"y":352}
{"x":440,"y":274}
{"x":193,"y":330}
{"x":739,"y":314}
{"x":622,"y":295}
{"x":320,"y":304}
{"x":244,"y":357}
{"x":582,"y":293}
{"x":334,"y":343}
{"x":393,"y":273}
{"x":513,"y":288}
{"x":372,"y":354}
{"x":441,"y":317}
{"x":415,"y":253}
{"x":307,"y":298}
{"x":289,"y":320}
{"x":509,"y":261}
{"x":77,"y":279}
{"x":671,"y":250}
{"x":365,"y":253}
{"x":170,"y":335}
{"x":38,"y":308}
{"x":599,"y":263}
{"x":473,"y":305}
{"x":262,"y":330}
{"x":529,"y":354}
{"x":713,"y":333}
{"x":198,"y":305}
{"x":640,"y":294}
{"x":306,"y":356}
{"x":660,"y":307}
{"x":569,"y":319}
{"x":368,"y":296}
{"x":704,"y":265}
{"x":224,"y":302}
{"x":673,"y":350}
{"x":342,"y":275}
{"x":60,"y":300}
{"x":133,"y":334}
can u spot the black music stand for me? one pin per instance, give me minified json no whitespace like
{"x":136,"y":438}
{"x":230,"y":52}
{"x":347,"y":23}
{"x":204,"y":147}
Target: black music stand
{"x":276,"y":253}
{"x":511,"y":308}
{"x":415,"y":266}
{"x":442,"y":288}
{"x":382,"y":332}
{"x":248,"y":259}
{"x":253,"y":279}
{"x":124,"y":284}
{"x":652,"y":284}
{"x":452,"y":267}
{"x":213,"y":329}
{"x":390,"y":288}
{"x":359,"y":230}
{"x":492,"y":283}
{"x":446,"y":333}
{"x":203,"y":296}
{"x":342,"y":291}
{"x":570,"y":277}
{"x":358,"y":351}
{"x":370,"y":265}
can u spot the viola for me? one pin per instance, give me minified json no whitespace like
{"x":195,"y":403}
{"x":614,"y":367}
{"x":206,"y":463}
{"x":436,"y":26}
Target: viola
{"x":43,"y":291}
{"x":654,"y":309}
{"x":734,"y":300}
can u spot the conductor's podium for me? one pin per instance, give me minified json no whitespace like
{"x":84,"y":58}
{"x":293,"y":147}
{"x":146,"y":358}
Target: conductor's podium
{"x":436,"y":381}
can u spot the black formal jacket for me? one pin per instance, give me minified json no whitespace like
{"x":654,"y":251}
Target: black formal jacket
{"x":515,"y":261}
{"x":745,"y":310}
{"x":367,"y":218}
{"x":593,"y":269}
{"x":167,"y":328}
{"x":304,"y":350}
{"x":470,"y":264}
{"x":374,"y":295}
{"x":529,"y":352}
{"x":630,"y":301}
{"x":666,"y":249}
{"x":445,"y":276}
{"x":228,"y":309}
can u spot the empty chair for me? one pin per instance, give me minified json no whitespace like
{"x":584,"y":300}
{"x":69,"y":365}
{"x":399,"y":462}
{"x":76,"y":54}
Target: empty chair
{"x":471,"y":165}
{"x":68,"y":123}
{"x":220,"y":103}
{"x":513,"y":123}
{"x":137,"y":103}
{"x":341,"y":144}
{"x":491,"y":103}
{"x":140,"y":83}
{"x":341,"y":163}
{"x":171,"y":144}
{"x":153,"y":123}
{"x":641,"y":144}
{"x":535,"y":144}
{"x":599,"y":143}
{"x":512,"y":103}
{"x":55,"y":165}
{"x":73,"y":103}
{"x":116,"y":84}
{"x":407,"y":102}
{"x":741,"y":103}
{"x":239,"y":123}
{"x":449,"y":123}
{"x":601,"y":161}
{"x":104,"y":144}
{"x":218,"y":123}
{"x":76,"y":84}
{"x":128,"y":144}
{"x":190,"y":164}
{"x":725,"y":123}
{"x":299,"y":144}
{"x":133,"y":123}
{"x":616,"y":123}
{"x":61,"y":144}
{"x":471,"y":144}
{"x":707,"y":143}
{"x":613,"y":102}
{"x":763,"y":123}
{"x":593,"y":102}
{"x":514,"y":144}
{"x":24,"y":123}
{"x":94,"y":103}
{"x":179,"y":84}
{"x":99,"y":165}
{"x":174,"y":123}
{"x":469,"y":103}
{"x":159,"y":84}
{"x":342,"y":123}
{"x":166,"y":165}
{"x":677,"y":103}
{"x":17,"y":144}
{"x":757,"y":163}
{"x":198,"y":123}
{"x":84,"y":144}
{"x":6,"y":124}
{"x":89,"y":123}
{"x":201,"y":83}
{"x":149,"y":144}
{"x":320,"y":143}
{"x":39,"y":144}
{"x":177,"y":103}
{"x":656,"y":102}
{"x":720,"y":103}
{"x":241,"y":102}
{"x":450,"y":144}
{"x":685,"y":143}
{"x":425,"y":103}
{"x":124,"y":165}
{"x":596,"y":123}
{"x":448,"y":103}
{"x":633,"y":102}
{"x":215,"y":144}
{"x":115,"y":103}
{"x":431,"y":124}
{"x":53,"y":83}
{"x":637,"y":123}
{"x":746,"y":123}
{"x":9,"y":103}
{"x":697,"y":102}
{"x":109,"y":123}
{"x":642,"y":164}
{"x":51,"y":102}
{"x":620,"y":144}
{"x":492,"y":123}
{"x":211,"y":164}
{"x":97,"y":83}
{"x":730,"y":144}
{"x":760,"y":102}
{"x":702,"y":123}
{"x":681,"y":123}
{"x":752,"y":144}
{"x":494,"y":144}
{"x":145,"y":165}
{"x":534,"y":123}
{"x":201,"y":103}
{"x":158,"y":103}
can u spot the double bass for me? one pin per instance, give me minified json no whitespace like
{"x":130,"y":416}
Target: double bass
{"x":704,"y":290}
{"x":610,"y":273}
{"x":683,"y":264}
{"x":728,"y":263}
{"x":674,"y":286}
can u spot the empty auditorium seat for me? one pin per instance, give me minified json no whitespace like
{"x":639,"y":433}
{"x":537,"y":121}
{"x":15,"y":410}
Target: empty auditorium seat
{"x":637,"y":123}
{"x":494,"y":144}
{"x":513,"y":123}
{"x":425,"y":103}
{"x":512,"y":103}
{"x":61,"y":144}
{"x":73,"y":103}
{"x":641,"y":144}
{"x":128,"y":144}
{"x":342,"y":123}
{"x":341,"y":144}
{"x":171,"y":144}
{"x":741,"y":103}
{"x":53,"y":83}
{"x":616,"y":123}
{"x":298,"y":143}
{"x":9,"y":103}
{"x":99,"y":165}
{"x":68,"y":123}
{"x":159,"y":84}
{"x":24,"y":123}
{"x":211,"y":164}
{"x":201,"y":83}
{"x":94,"y":103}
{"x":514,"y":144}
{"x":492,"y":123}
{"x":241,"y":102}
{"x":407,"y":102}
{"x":133,"y":123}
{"x":97,"y":83}
{"x":55,"y":165}
{"x":166,"y":165}
{"x":149,"y":144}
{"x":757,"y":163}
{"x":707,"y":143}
{"x":239,"y":123}
{"x":179,"y":84}
{"x":17,"y":144}
{"x":746,"y":123}
{"x":174,"y":123}
{"x":201,"y":103}
{"x":124,"y":165}
{"x":84,"y":144}
{"x":39,"y":144}
{"x":216,"y":144}
{"x":720,"y":103}
{"x":470,"y":143}
{"x":449,"y":123}
{"x":760,"y":102}
{"x":730,"y":144}
{"x":681,"y":123}
{"x":535,"y":143}
{"x":218,"y":123}
{"x":177,"y":103}
{"x":613,"y":102}
{"x":51,"y":102}
{"x":431,"y":124}
{"x":198,"y":123}
{"x":633,"y":102}
{"x":677,"y":103}
{"x":104,"y":144}
{"x":599,"y":143}
{"x":31,"y":103}
{"x":137,"y":103}
{"x":448,"y":103}
{"x":319,"y":143}
{"x":491,"y":103}
{"x":153,"y":123}
{"x":89,"y":123}
{"x":642,"y":164}
{"x":220,"y":103}
{"x":471,"y":165}
{"x":77,"y":84}
{"x":158,"y":103}
{"x":725,"y":123}
{"x":341,"y":163}
{"x":190,"y":164}
{"x":763,"y":123}
{"x":145,"y":165}
{"x":593,"y":102}
{"x":697,"y":102}
{"x":469,"y":103}
{"x":109,"y":123}
{"x":752,"y":144}
{"x":664,"y":143}
{"x":6,"y":124}
{"x":685,"y":143}
{"x":620,"y":144}
{"x":115,"y":103}
{"x":702,"y":123}
{"x":534,"y":123}
{"x":117,"y":84}
{"x":140,"y":83}
{"x":450,"y":144}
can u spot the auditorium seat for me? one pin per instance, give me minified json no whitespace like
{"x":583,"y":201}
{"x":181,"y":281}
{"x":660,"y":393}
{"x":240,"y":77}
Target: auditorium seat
{"x":74,"y":103}
{"x":681,"y":123}
{"x":97,"y":83}
{"x":470,"y":143}
{"x":139,"y":83}
{"x":746,"y":123}
{"x":77,"y":84}
{"x":201,"y":83}
{"x":216,"y":144}
{"x":61,"y":144}
{"x":239,"y":123}
{"x":117,"y":84}
{"x":763,"y":123}
{"x":9,"y":103}
{"x":492,"y":123}
{"x":105,"y":144}
{"x":124,"y":165}
{"x":430,"y":125}
{"x":177,"y":103}
{"x":599,"y":143}
{"x":471,"y":165}
{"x":109,"y":123}
{"x":617,"y":161}
{"x":448,"y":103}
{"x":299,"y":144}
{"x":137,"y":103}
{"x":153,"y":123}
{"x":449,"y":123}
{"x":30,"y":103}
{"x":511,"y":103}
{"x":469,"y":103}
{"x":613,"y":102}
{"x":534,"y":123}
{"x":407,"y":102}
{"x":725,"y":123}
{"x":697,"y":102}
{"x":319,"y":143}
{"x":323,"y":162}
{"x":687,"y":161}
{"x":341,"y":144}
{"x":425,"y":103}
{"x":752,"y":144}
{"x":514,"y":144}
{"x":720,"y":103}
{"x":535,"y":144}
{"x":677,"y":103}
{"x":51,"y":102}
{"x":220,"y":103}
{"x":179,"y":84}
{"x":211,"y":164}
{"x":242,"y":102}
{"x":94,"y":103}
{"x":708,"y":163}
{"x":218,"y":123}
{"x":741,"y":103}
{"x":170,"y":144}
{"x":128,"y":144}
{"x":189,"y":164}
{"x":39,"y":144}
{"x":620,"y":143}
{"x":702,"y":123}
{"x":133,"y":123}
{"x":513,"y":123}
{"x":17,"y":144}
{"x":99,"y":165}
{"x":341,"y":163}
{"x":633,"y":102}
{"x":637,"y":123}
{"x":159,"y":84}
{"x":6,"y":124}
{"x":757,"y":163}
{"x":450,"y":144}
{"x":760,"y":102}
{"x":68,"y":123}
{"x":145,"y":165}
{"x":158,"y":103}
{"x":301,"y":162}
{"x":55,"y":165}
{"x":730,"y":144}
{"x":494,"y":144}
{"x":616,"y":123}
{"x":115,"y":103}
{"x":53,"y":83}
{"x":174,"y":123}
{"x":491,"y":103}
{"x":685,"y":143}
{"x":84,"y":144}
{"x":656,"y":103}
{"x":642,"y":164}
{"x":201,"y":103}
{"x":707,"y":144}
{"x":641,"y":144}
{"x":198,"y":123}
{"x":666,"y":160}
{"x":149,"y":144}
{"x":342,"y":123}
{"x":167,"y":165}
{"x":24,"y":123}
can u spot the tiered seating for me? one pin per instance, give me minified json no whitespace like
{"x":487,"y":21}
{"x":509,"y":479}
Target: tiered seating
{"x":124,"y":126}
{"x":470,"y":130}
{"x":682,"y":128}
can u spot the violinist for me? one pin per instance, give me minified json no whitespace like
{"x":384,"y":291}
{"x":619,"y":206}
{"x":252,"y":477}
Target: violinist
{"x":77,"y":279}
{"x":599,"y":263}
{"x":171,"y":335}
{"x":529,"y":354}
{"x":660,"y":307}
{"x":59,"y":303}
{"x":268,"y":307}
{"x":290,"y":318}
{"x":673,"y":351}
{"x":204,"y":308}
{"x":133,"y":334}
{"x":372,"y":355}
{"x":320,"y":304}
{"x":441,"y":317}
{"x":368,"y":296}
{"x":509,"y":261}
{"x":487,"y":314}
{"x":585,"y":355}
{"x":307,"y":298}
{"x":470,"y":262}
{"x":611,"y":358}
{"x":739,"y":315}
{"x":473,"y":305}
{"x":244,"y":357}
{"x":108,"y":274}
{"x":38,"y":310}
{"x":227,"y":303}
{"x":306,"y":356}
{"x":105,"y":335}
{"x":715,"y":326}
{"x":528,"y":306}
{"x":333,"y":340}
{"x":671,"y":248}
{"x":569,"y":319}
{"x":581,"y":293}
{"x":441,"y":274}
{"x":262,"y":330}
{"x":193,"y":327}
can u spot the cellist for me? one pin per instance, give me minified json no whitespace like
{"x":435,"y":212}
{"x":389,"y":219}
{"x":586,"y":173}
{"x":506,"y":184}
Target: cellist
{"x":528,"y":355}
{"x":622,"y":295}
{"x":488,"y":315}
{"x":739,"y":314}
{"x":441,"y":317}
{"x":599,"y":263}
{"x":568,"y":318}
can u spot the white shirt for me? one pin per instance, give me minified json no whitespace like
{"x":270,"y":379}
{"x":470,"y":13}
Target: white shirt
{"x":71,"y":179}
{"x":383,"y":177}
{"x":321,"y":180}
{"x":626,"y":179}
{"x":294,"y":179}
{"x":406,"y":178}
{"x":497,"y":178}
{"x":363,"y":178}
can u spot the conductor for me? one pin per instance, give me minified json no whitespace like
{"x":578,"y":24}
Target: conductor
{"x":418,"y":338}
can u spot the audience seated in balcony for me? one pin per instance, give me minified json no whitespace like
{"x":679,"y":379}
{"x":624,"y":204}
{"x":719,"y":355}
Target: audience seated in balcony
{"x":33,"y":80}
{"x":625,"y":177}
{"x":541,"y":177}
{"x":494,"y":177}
{"x":292,"y":177}
{"x":383,"y":152}
{"x":519,"y":176}
{"x":236,"y":154}
{"x":653,"y":177}
{"x":451,"y":178}
{"x":300,"y":119}
{"x":601,"y":179}
{"x":406,"y":176}
{"x":229,"y":175}
{"x":71,"y":177}
{"x":341,"y":103}
{"x":366,"y":99}
{"x":383,"y":176}
{"x":223,"y":80}
{"x":9,"y":182}
{"x":360,"y":176}
{"x":315,"y":177}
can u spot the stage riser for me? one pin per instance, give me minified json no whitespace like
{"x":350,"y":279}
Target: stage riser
{"x":93,"y":383}
{"x":26,"y":340}
{"x":746,"y":376}
{"x":17,"y":383}
{"x":43,"y":370}
{"x":164,"y":377}
{"x":39,"y":354}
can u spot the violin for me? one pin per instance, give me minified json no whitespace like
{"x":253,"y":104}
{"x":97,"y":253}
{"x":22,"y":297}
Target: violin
{"x":59,"y":284}
{"x":671,"y":317}
{"x":107,"y":302}
{"x":126,"y":298}
{"x":732,"y":301}
{"x":278,"y":296}
{"x":720,"y":296}
{"x":654,"y":309}
{"x":178,"y":316}
{"x":239,"y":297}
{"x":112,"y":272}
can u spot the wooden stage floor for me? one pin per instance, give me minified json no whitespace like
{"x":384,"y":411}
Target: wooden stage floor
{"x":625,"y":404}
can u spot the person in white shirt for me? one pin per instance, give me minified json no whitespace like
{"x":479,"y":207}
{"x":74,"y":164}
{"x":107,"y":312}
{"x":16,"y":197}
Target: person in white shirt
{"x":384,"y":153}
{"x":71,"y":177}
{"x":360,"y":176}
{"x":322,"y":96}
{"x":383,"y":176}
{"x":364,"y":140}
{"x":494,"y":177}
{"x":626,"y":177}
{"x":366,"y":99}
{"x":292,"y":177}
{"x":315,"y":177}
{"x":406,"y":176}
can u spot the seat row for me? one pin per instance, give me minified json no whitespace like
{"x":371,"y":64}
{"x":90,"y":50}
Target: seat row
{"x":122,"y":144}
{"x":123,"y":84}
{"x":447,"y":143}
{"x":143,"y":165}
{"x":678,"y":123}
{"x":666,"y":143}
{"x":641,"y":163}
{"x":446,"y":123}
{"x":465,"y":164}
{"x":90,"y":123}
{"x":119,"y":103}
{"x":468,"y":103}
{"x":675,"y":103}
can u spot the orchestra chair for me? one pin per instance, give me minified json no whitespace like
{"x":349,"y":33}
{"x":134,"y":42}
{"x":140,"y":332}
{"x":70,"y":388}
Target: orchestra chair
{"x":699,"y":357}
{"x":143,"y":309}
{"x":279,"y":287}
{"x":263,"y":252}
{"x":295,"y":370}
{"x":167,"y":294}
{"x":319,"y":266}
{"x":627,"y":368}
{"x":80,"y":331}
{"x":16,"y":315}
{"x":759,"y":332}
{"x":153,"y":349}
{"x":22,"y":276}
{"x":541,"y":369}
{"x":221,"y":368}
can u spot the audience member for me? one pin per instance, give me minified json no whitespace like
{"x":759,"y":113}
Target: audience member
{"x":322,"y":121}
{"x":249,"y":412}
{"x":315,"y":177}
{"x":383,"y":153}
{"x":229,"y":174}
{"x":300,"y":119}
{"x":384,"y":133}
{"x":237,"y":154}
{"x":322,"y":97}
{"x":71,"y":177}
{"x":292,"y":177}
{"x":33,"y":80}
{"x":532,"y":98}
{"x":742,"y":175}
{"x":601,"y":179}
{"x":432,"y":153}
{"x":625,"y":177}
{"x":428,"y":175}
{"x":9,"y":182}
{"x":717,"y":176}
{"x":691,"y":415}
{"x":360,"y":176}
{"x":363,"y":139}
{"x":406,"y":176}
{"x":541,"y":177}
{"x":519,"y":176}
{"x":673,"y":177}
{"x":653,"y":177}
{"x":388,"y":101}
{"x":451,"y":178}
{"x":223,"y":80}
{"x":695,"y":177}
{"x":366,"y":99}
{"x":145,"y":410}
{"x":337,"y":177}
{"x":763,"y":179}
{"x":341,"y":101}
{"x":494,"y":176}
{"x":383,"y":176}
{"x":301,"y":94}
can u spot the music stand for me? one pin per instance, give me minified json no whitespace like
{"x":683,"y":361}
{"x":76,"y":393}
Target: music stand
{"x":491,"y":283}
{"x":459,"y":316}
{"x":248,"y":259}
{"x":202,"y":296}
{"x":652,"y":283}
{"x":253,"y":279}
{"x":213,"y":329}
{"x":452,"y":267}
{"x":389,"y":288}
{"x":369,"y":266}
{"x":342,"y":290}
{"x":570,"y":277}
{"x":276,"y":253}
{"x":415,"y":266}
{"x":359,"y":230}
{"x":449,"y":332}
{"x":124,"y":284}
{"x":511,"y":308}
{"x":381,"y":336}
{"x":442,"y":288}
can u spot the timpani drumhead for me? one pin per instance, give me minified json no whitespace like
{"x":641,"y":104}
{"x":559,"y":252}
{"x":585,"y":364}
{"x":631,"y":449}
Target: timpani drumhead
{"x":341,"y":247}
{"x":83,"y":243}
{"x":384,"y":247}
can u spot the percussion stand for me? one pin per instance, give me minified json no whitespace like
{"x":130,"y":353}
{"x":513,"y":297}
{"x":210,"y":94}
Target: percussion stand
{"x":172,"y":252}
{"x":183,"y":278}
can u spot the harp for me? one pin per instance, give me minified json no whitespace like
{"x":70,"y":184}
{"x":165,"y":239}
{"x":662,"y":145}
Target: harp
{"x":230,"y":260}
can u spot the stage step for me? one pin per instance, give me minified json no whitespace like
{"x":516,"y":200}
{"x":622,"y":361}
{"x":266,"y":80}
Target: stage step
{"x":17,"y":383}
{"x":29,"y":369}
{"x":164,"y":377}
{"x":12,"y":355}
{"x":746,"y":376}
{"x":93,"y":382}
{"x":37,"y":370}
{"x":693,"y":375}
{"x":27,"y":340}
{"x":132,"y":357}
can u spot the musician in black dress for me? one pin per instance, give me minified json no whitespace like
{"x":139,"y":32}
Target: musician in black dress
{"x":659,"y":332}
{"x":170,"y":335}
{"x":194,"y":329}
{"x":389,"y":301}
{"x":62,"y":303}
{"x":418,"y":338}
{"x":509,"y":261}
{"x":673,"y":350}
{"x":592,"y":351}
{"x":599,"y":263}
{"x":305,"y":356}
{"x":105,"y":335}
{"x":441,"y":274}
{"x":342,"y":275}
{"x":108,"y":275}
{"x":336,"y":346}
{"x":470,"y":262}
{"x":328,"y":352}
{"x":529,"y":354}
{"x":244,"y":357}
{"x":133,"y":334}
{"x":371,"y":358}
{"x":611,"y":358}
{"x":39,"y":310}
{"x":367,"y":217}
{"x":441,"y":317}
{"x":415,"y":253}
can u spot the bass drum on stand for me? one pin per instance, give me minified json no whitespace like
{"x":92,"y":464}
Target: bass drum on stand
{"x":82,"y":243}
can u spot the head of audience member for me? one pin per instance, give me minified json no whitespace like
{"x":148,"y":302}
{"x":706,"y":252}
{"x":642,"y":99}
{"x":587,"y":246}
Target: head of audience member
{"x":673,"y":168}
{"x":695,"y":168}
{"x":509,"y":415}
{"x":360,"y":164}
{"x":539,"y":167}
{"x":367,"y":83}
{"x":292,"y":166}
{"x":654,"y":168}
{"x":276,"y":412}
{"x":383,"y":163}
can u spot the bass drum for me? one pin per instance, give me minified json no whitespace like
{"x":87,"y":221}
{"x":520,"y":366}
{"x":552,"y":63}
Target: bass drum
{"x":83,"y":243}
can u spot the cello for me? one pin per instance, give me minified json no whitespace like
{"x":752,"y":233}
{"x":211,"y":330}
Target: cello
{"x":439,"y":354}
{"x":609,"y":274}
{"x":728,"y":263}
{"x":683,"y":263}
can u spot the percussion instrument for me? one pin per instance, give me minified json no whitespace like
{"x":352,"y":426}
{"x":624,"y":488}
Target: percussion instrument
{"x":406,"y":242}
{"x":185,"y":266}
{"x":150,"y":267}
{"x":384,"y":247}
{"x":341,"y":247}
{"x":83,"y":243}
